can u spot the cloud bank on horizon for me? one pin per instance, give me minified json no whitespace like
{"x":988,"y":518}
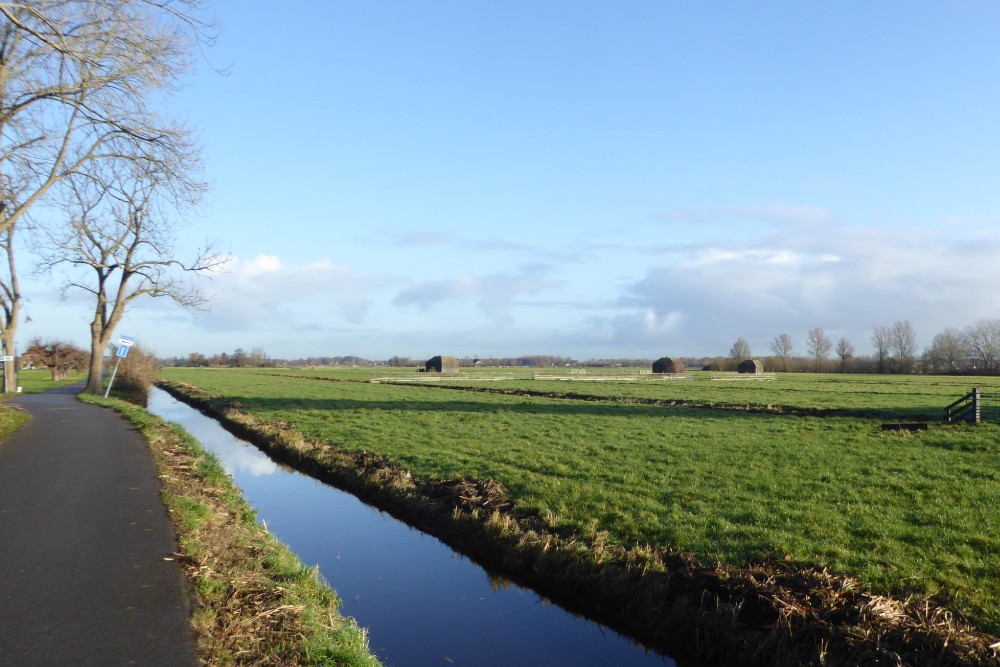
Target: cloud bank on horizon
{"x":601,"y":182}
{"x":691,"y":298}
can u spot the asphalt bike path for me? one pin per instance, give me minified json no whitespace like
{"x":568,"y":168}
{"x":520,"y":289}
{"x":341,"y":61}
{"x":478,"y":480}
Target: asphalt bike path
{"x":85,"y":544}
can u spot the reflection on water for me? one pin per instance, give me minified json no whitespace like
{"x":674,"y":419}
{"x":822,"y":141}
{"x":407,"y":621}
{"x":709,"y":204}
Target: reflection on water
{"x":422,"y":603}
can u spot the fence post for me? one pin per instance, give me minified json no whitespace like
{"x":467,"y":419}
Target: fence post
{"x":976,"y":405}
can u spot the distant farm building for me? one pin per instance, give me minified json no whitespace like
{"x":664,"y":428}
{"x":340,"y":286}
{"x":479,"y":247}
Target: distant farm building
{"x":441,"y":364}
{"x":668,"y":365}
{"x":752,"y":366}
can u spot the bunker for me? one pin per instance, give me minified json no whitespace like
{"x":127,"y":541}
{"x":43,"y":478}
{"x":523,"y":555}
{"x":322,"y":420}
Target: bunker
{"x":668,"y":365}
{"x":442,"y":364}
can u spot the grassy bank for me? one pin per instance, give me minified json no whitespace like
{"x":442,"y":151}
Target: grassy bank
{"x":256,"y":603}
{"x":894,"y":515}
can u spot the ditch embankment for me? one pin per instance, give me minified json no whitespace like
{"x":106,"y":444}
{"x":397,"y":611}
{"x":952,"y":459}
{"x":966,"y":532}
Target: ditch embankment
{"x":769,"y":613}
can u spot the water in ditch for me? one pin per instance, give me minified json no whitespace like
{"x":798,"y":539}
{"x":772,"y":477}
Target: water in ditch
{"x":422,"y":603}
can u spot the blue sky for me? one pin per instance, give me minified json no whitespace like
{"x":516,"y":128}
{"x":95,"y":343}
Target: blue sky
{"x":589,"y":179}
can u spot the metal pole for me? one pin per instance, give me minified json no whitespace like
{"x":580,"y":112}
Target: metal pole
{"x":113,"y":373}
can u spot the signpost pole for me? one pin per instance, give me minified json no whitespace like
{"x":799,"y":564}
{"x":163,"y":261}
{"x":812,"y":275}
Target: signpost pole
{"x":113,"y":373}
{"x":124,"y":343}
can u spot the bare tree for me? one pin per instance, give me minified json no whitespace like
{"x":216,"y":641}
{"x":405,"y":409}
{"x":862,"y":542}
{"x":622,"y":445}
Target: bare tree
{"x":77,"y":85}
{"x":77,"y":79}
{"x":882,"y":342}
{"x":119,"y":246}
{"x":948,"y":352}
{"x":58,"y":356}
{"x":819,"y":346}
{"x":904,"y":345}
{"x":740,"y":351}
{"x":782,"y":347}
{"x":983,"y":339}
{"x":846,"y":352}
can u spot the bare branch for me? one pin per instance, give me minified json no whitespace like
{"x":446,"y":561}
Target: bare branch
{"x":78,"y":79}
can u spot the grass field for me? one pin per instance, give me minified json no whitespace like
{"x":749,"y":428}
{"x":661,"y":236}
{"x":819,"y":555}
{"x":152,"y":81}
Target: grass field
{"x":877,"y":396}
{"x":907,"y":513}
{"x":37,"y":381}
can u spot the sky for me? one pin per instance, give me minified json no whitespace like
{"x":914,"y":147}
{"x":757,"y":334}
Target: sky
{"x":581,"y":178}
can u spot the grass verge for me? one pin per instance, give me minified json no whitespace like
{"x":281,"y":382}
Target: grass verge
{"x":256,"y":603}
{"x":772,"y":611}
{"x":11,"y":419}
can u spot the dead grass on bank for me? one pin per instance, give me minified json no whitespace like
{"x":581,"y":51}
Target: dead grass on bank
{"x":254,"y":602}
{"x":771,"y":613}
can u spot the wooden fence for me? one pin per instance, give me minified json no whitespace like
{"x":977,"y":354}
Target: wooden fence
{"x":975,"y":407}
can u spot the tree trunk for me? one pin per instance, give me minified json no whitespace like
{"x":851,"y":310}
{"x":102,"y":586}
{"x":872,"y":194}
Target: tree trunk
{"x":11,"y":312}
{"x":96,"y":369}
{"x":9,"y":367}
{"x":99,"y":341}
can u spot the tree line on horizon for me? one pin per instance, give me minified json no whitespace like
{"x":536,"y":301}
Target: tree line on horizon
{"x":973,"y":350}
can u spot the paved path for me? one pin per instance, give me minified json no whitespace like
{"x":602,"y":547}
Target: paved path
{"x":83,"y":541}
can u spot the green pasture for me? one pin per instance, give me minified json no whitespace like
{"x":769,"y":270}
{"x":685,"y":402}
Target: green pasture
{"x":892,"y":397}
{"x":912,"y":513}
{"x":36,"y":381}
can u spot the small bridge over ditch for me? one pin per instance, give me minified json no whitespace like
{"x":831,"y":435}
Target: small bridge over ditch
{"x":976,"y":406}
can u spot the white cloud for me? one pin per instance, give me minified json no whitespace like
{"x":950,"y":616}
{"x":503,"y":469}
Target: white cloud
{"x":256,"y":266}
{"x":661,"y":324}
{"x":265,"y":291}
{"x":494,"y":294}
{"x":844,"y":278}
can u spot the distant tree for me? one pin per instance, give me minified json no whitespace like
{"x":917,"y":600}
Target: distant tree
{"x":846,"y":352}
{"x":948,"y":352}
{"x":882,"y":343}
{"x":258,"y":358}
{"x":238,"y":359}
{"x":740,"y":351}
{"x":819,"y":346}
{"x":58,"y":356}
{"x":196,"y":359}
{"x":782,"y":348}
{"x":983,"y":339}
{"x":717,"y":364}
{"x":904,"y":345}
